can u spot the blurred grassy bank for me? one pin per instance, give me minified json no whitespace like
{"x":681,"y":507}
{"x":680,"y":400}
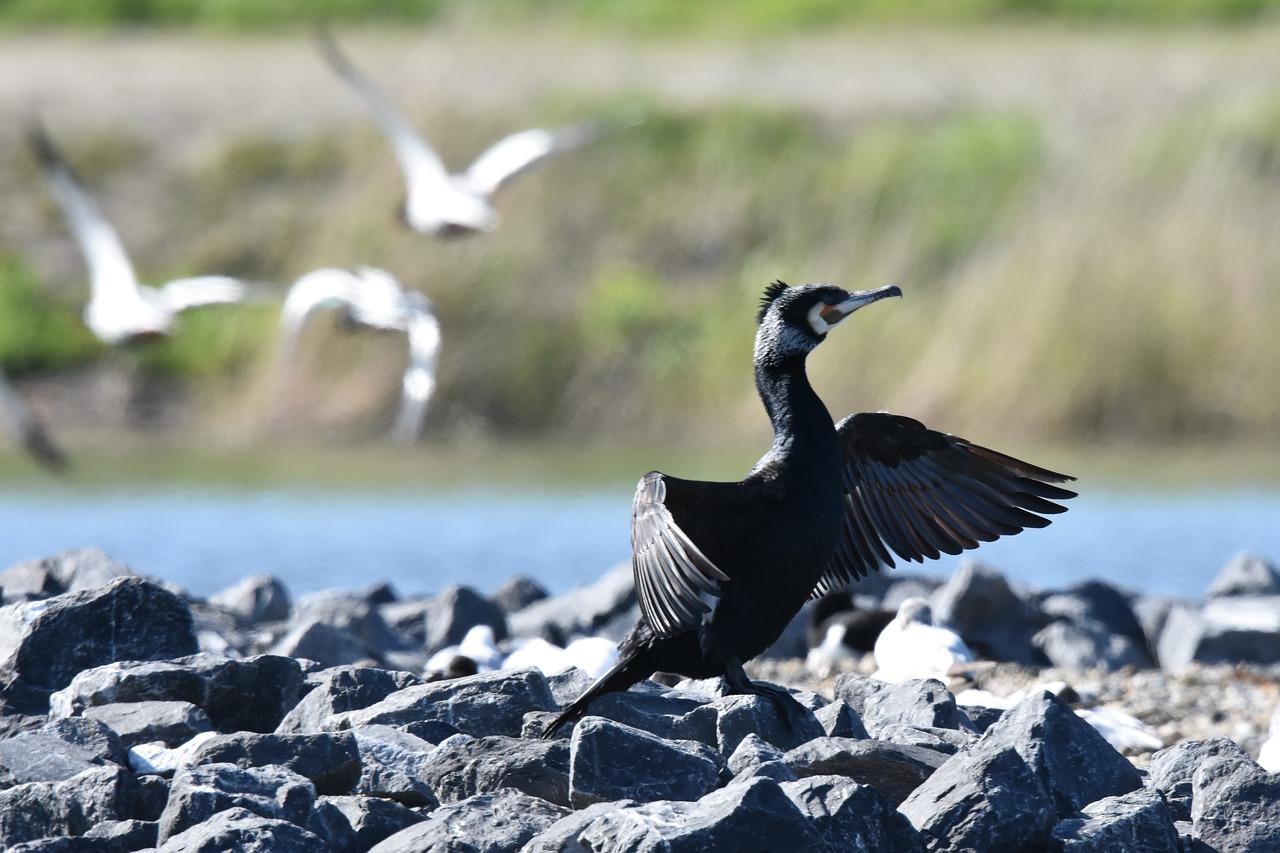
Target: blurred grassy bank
{"x":1065,"y":280}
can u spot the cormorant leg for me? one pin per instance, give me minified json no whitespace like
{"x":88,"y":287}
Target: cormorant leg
{"x":786,"y":704}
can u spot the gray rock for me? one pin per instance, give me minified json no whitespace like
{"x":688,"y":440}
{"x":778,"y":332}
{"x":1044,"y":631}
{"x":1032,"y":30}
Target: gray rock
{"x":408,"y":619}
{"x":70,"y":807}
{"x":343,"y":688}
{"x":1172,"y":770}
{"x":946,"y":741}
{"x":258,"y":598}
{"x":328,"y":822}
{"x":610,"y":761}
{"x":1235,"y":804}
{"x":1100,"y":602}
{"x":1137,"y":822}
{"x":330,"y":760}
{"x":1088,"y":644}
{"x":1225,"y":630}
{"x":606,"y":608}
{"x":838,"y":719}
{"x":920,"y":702}
{"x":328,"y":645}
{"x":245,"y":831}
{"x":982,"y":799}
{"x":852,"y":818}
{"x":564,"y":836}
{"x":490,"y":703}
{"x":128,"y":619}
{"x":40,"y":757}
{"x":486,"y":823}
{"x":372,"y":819}
{"x":93,"y":735}
{"x":994,"y":618}
{"x":892,"y":769}
{"x":394,"y":765}
{"x":463,"y":766}
{"x":126,"y":835}
{"x":70,"y":571}
{"x":458,"y":609}
{"x":1246,"y":575}
{"x":752,"y":753}
{"x":200,"y":792}
{"x":724,"y":722}
{"x":655,"y":709}
{"x":1073,"y":762}
{"x":172,"y":723}
{"x":754,"y":814}
{"x":352,"y":613}
{"x":517,"y":593}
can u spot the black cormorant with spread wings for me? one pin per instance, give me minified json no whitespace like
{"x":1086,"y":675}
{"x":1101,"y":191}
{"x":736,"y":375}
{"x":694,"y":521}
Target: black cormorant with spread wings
{"x":721,"y":568}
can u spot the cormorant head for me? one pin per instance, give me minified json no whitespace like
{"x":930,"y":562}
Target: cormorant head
{"x":794,"y":320}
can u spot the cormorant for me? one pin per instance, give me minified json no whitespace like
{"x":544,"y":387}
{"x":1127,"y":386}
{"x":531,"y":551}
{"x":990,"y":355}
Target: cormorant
{"x":721,"y":568}
{"x":121,"y":310}
{"x":437,"y":202}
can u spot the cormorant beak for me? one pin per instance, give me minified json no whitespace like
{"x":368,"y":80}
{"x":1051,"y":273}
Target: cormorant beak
{"x":832,"y":314}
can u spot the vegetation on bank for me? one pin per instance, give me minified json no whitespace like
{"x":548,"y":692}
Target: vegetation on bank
{"x":1113,"y":283}
{"x":651,"y":17}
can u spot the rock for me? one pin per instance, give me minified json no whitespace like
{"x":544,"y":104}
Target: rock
{"x":724,"y":722}
{"x":852,"y":817}
{"x":326,"y":644}
{"x":652,"y":708}
{"x":258,"y":598}
{"x":128,"y":619}
{"x":1247,"y":575}
{"x":125,"y":835}
{"x":343,"y":688}
{"x":1172,"y":770}
{"x":922,"y":702}
{"x":490,"y":703}
{"x":330,"y":760}
{"x":991,"y":616}
{"x":40,"y":757}
{"x":946,"y":741}
{"x":71,"y":571}
{"x":486,"y":823}
{"x":1100,"y":602}
{"x":982,"y":798}
{"x":893,"y":770}
{"x":352,"y":613}
{"x":1225,"y":630}
{"x":517,"y":593}
{"x":456,"y":610}
{"x":1235,"y":804}
{"x":856,"y":690}
{"x":171,"y":723}
{"x":1088,"y":644}
{"x":93,"y":735}
{"x":372,"y":819}
{"x":757,"y":757}
{"x":69,"y":807}
{"x":606,"y":608}
{"x":610,"y":761}
{"x":838,"y":719}
{"x":408,"y":619}
{"x":1074,"y":763}
{"x":463,"y":766}
{"x":1137,"y":822}
{"x":394,"y":766}
{"x":564,"y":836}
{"x":244,"y":831}
{"x":200,"y":792}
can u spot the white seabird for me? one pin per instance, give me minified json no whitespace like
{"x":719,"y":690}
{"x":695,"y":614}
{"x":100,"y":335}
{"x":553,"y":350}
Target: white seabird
{"x":911,"y":646}
{"x":121,"y":310}
{"x":437,"y":202}
{"x":28,"y":429}
{"x":371,"y":298}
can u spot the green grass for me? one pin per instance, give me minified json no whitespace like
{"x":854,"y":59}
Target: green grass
{"x":38,"y":334}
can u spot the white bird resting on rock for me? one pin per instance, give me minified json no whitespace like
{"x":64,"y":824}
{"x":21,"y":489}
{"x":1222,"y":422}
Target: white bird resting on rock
{"x":440,"y":203}
{"x":911,"y":647}
{"x":370,"y":298}
{"x":120,"y":310}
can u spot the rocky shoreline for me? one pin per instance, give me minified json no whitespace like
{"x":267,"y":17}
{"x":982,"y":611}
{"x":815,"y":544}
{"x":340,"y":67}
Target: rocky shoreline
{"x":136,"y":717}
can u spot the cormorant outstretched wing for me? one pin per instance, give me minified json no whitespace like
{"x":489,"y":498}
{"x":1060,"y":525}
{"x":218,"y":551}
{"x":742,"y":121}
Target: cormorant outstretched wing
{"x":919,"y":493}
{"x":671,"y":573}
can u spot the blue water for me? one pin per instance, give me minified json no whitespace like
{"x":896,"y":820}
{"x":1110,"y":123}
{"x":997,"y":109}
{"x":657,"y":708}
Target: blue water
{"x":204,"y":539}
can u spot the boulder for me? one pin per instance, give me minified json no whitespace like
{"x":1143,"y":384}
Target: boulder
{"x":331,"y":760}
{"x":517,"y":593}
{"x":1086,"y":643}
{"x":892,"y":769}
{"x":724,"y":722}
{"x":486,"y":823}
{"x":463,"y":766}
{"x":245,"y":831}
{"x":69,"y":807}
{"x":171,"y":723}
{"x":1247,"y":575}
{"x":93,"y":735}
{"x":41,"y":757}
{"x":45,"y":644}
{"x":372,"y":819}
{"x":607,"y":608}
{"x":199,"y":792}
{"x":1235,"y":804}
{"x":993,"y":617}
{"x":352,"y":613}
{"x":1137,"y":822}
{"x":393,"y":766}
{"x":1172,"y":770}
{"x":70,"y":571}
{"x":456,"y":610}
{"x":343,"y":688}
{"x":920,"y":702}
{"x":256,"y":599}
{"x":1227,"y":629}
{"x":610,"y":761}
{"x":326,"y":644}
{"x":852,"y":817}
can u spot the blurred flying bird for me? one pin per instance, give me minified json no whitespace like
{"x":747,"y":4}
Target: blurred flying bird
{"x":27,"y":428}
{"x":720,"y":569}
{"x":437,"y":202}
{"x":120,"y":310}
{"x":370,"y":298}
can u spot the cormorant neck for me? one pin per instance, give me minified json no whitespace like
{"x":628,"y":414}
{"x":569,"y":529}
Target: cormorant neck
{"x":793,"y":406}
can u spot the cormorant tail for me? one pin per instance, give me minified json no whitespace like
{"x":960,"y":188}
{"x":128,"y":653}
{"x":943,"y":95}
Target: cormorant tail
{"x":627,"y":671}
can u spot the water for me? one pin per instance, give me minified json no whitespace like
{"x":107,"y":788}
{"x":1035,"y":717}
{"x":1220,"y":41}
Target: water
{"x":206,"y":539}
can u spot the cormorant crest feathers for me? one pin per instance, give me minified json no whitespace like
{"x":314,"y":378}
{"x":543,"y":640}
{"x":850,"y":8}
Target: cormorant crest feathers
{"x":771,"y":294}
